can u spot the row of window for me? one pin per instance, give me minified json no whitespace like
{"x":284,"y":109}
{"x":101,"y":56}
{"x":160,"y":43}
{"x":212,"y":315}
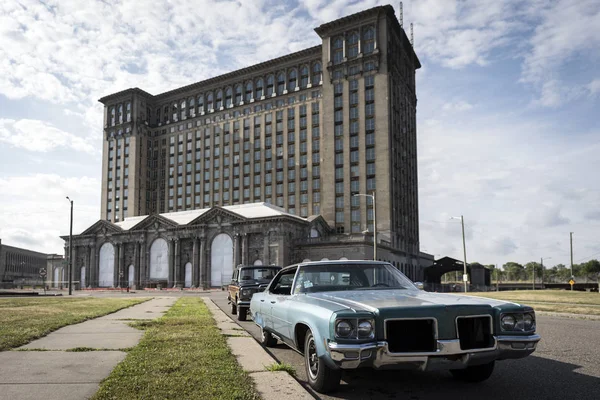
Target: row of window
{"x":119,"y":114}
{"x":240,"y":94}
{"x":352,"y":44}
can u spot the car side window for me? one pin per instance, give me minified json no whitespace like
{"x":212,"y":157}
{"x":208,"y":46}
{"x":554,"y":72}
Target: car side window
{"x":234,"y":276}
{"x":282,"y":283}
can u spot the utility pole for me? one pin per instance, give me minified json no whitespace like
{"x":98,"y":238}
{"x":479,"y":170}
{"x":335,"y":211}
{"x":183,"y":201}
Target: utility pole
{"x":71,"y":251}
{"x":462,"y":221}
{"x":533,"y":270}
{"x":571,"y":237}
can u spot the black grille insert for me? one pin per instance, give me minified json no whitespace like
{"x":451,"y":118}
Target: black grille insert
{"x":475,"y":333}
{"x":411,"y":335}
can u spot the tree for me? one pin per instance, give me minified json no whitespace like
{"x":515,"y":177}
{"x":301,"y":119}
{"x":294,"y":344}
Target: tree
{"x":591,"y":268}
{"x":530,"y":267}
{"x":514,"y":271}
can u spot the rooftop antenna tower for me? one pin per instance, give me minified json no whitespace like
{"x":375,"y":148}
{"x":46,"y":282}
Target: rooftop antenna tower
{"x":412,"y":35}
{"x":401,"y":18}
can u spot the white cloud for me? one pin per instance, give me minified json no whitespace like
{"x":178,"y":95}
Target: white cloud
{"x":35,"y":211}
{"x":569,"y":31}
{"x":40,"y":136}
{"x":459,"y":105}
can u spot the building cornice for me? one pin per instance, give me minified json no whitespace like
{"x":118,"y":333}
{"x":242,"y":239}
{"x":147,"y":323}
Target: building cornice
{"x":205,"y":84}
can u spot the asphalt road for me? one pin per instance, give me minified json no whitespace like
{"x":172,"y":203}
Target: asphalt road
{"x":566,"y":365}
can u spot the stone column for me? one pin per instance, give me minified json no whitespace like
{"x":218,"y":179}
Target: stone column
{"x":88,"y":268}
{"x":94,"y":267}
{"x":265,"y":256}
{"x":195,"y":270}
{"x":282,"y":250}
{"x":177,"y":269}
{"x":145,"y":263}
{"x":171,"y":258}
{"x":136,"y":265}
{"x":75,"y":270}
{"x":204,"y":273}
{"x":236,"y":249}
{"x":245,"y":249}
{"x":116,"y":265}
{"x":121,"y":264}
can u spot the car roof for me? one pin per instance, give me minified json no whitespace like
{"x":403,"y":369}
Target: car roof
{"x":331,"y":262}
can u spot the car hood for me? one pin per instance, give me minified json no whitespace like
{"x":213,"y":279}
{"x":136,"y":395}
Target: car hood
{"x":372,"y":300}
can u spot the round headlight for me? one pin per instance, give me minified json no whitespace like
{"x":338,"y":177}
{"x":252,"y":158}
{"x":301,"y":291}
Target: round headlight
{"x":343,"y":329}
{"x":528,"y":322}
{"x":508,"y":322}
{"x":365,"y":329}
{"x":246,"y":292}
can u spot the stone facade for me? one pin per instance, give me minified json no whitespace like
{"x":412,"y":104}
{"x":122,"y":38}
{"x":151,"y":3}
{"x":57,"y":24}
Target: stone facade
{"x":305,"y":132}
{"x":20,"y":266}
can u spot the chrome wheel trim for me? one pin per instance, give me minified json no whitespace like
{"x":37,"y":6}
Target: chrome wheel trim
{"x":312,"y":359}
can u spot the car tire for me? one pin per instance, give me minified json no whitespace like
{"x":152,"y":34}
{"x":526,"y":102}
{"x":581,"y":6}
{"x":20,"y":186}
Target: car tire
{"x":266,"y":339}
{"x":241,"y":313}
{"x":475,"y":373}
{"x":233,"y":307}
{"x":320,"y":376}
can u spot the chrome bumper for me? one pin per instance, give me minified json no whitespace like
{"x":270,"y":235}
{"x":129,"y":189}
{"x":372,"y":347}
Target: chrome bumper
{"x":449,"y":355}
{"x":243,"y":303}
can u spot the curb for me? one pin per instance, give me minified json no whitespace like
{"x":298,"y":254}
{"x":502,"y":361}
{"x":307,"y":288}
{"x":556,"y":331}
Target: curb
{"x":270,"y":385}
{"x":569,"y":315}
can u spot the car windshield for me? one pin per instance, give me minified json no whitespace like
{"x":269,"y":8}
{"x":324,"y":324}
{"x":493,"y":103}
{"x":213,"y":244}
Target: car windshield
{"x":350,"y":276}
{"x":257,"y":273}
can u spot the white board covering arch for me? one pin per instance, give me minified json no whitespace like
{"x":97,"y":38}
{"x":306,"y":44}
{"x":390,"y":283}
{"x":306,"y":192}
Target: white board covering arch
{"x":106,"y":275}
{"x":159,"y":259}
{"x":221,"y":259}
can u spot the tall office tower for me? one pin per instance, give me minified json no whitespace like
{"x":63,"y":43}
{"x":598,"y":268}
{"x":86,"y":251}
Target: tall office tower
{"x":306,"y":132}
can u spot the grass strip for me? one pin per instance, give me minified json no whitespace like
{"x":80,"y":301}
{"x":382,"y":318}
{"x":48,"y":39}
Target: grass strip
{"x":181,"y":356}
{"x":560,"y":301}
{"x":25,"y":319}
{"x":282,"y":367}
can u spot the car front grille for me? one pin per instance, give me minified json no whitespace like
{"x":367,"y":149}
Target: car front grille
{"x":411,"y":335}
{"x":475,"y":332}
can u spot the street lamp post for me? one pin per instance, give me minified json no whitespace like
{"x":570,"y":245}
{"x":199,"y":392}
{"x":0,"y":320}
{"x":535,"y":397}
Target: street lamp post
{"x":465,"y":278}
{"x":372,"y":196}
{"x":71,"y":250}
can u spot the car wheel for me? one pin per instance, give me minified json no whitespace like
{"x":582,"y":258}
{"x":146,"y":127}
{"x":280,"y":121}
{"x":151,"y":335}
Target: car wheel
{"x":266,"y":339}
{"x":241,"y":313}
{"x":320,"y":377}
{"x":233,"y":307}
{"x":475,"y":373}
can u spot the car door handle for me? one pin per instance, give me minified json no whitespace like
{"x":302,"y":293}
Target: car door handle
{"x":262,"y":300}
{"x":273,"y":302}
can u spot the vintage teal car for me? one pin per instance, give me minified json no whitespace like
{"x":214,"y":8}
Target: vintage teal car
{"x":351,"y":314}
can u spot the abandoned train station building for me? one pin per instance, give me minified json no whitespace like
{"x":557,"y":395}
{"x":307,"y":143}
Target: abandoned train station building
{"x":296,"y":158}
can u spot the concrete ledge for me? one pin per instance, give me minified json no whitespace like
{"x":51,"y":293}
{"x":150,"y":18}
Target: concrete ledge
{"x":271,"y":385}
{"x":278,"y":385}
{"x":249,"y":354}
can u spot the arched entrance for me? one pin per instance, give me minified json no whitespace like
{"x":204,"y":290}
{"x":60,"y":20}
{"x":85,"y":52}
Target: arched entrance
{"x":221,"y":259}
{"x":188,"y":275}
{"x":130,"y":276}
{"x":106,"y":275}
{"x":258,"y":262}
{"x":159,"y":260}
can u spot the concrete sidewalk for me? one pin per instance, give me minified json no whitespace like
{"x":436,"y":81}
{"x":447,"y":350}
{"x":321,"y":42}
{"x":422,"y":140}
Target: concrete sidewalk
{"x":270,"y":385}
{"x":60,"y":375}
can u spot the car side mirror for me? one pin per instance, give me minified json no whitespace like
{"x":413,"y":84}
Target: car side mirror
{"x":420,"y":285}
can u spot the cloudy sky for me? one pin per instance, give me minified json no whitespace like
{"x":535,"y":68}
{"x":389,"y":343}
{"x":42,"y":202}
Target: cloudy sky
{"x":508,"y":108}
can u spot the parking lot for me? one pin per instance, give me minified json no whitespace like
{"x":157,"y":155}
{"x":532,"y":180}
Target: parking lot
{"x":566,"y":365}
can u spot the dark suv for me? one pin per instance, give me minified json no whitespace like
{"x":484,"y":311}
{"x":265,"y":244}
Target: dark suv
{"x":247,"y":280}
